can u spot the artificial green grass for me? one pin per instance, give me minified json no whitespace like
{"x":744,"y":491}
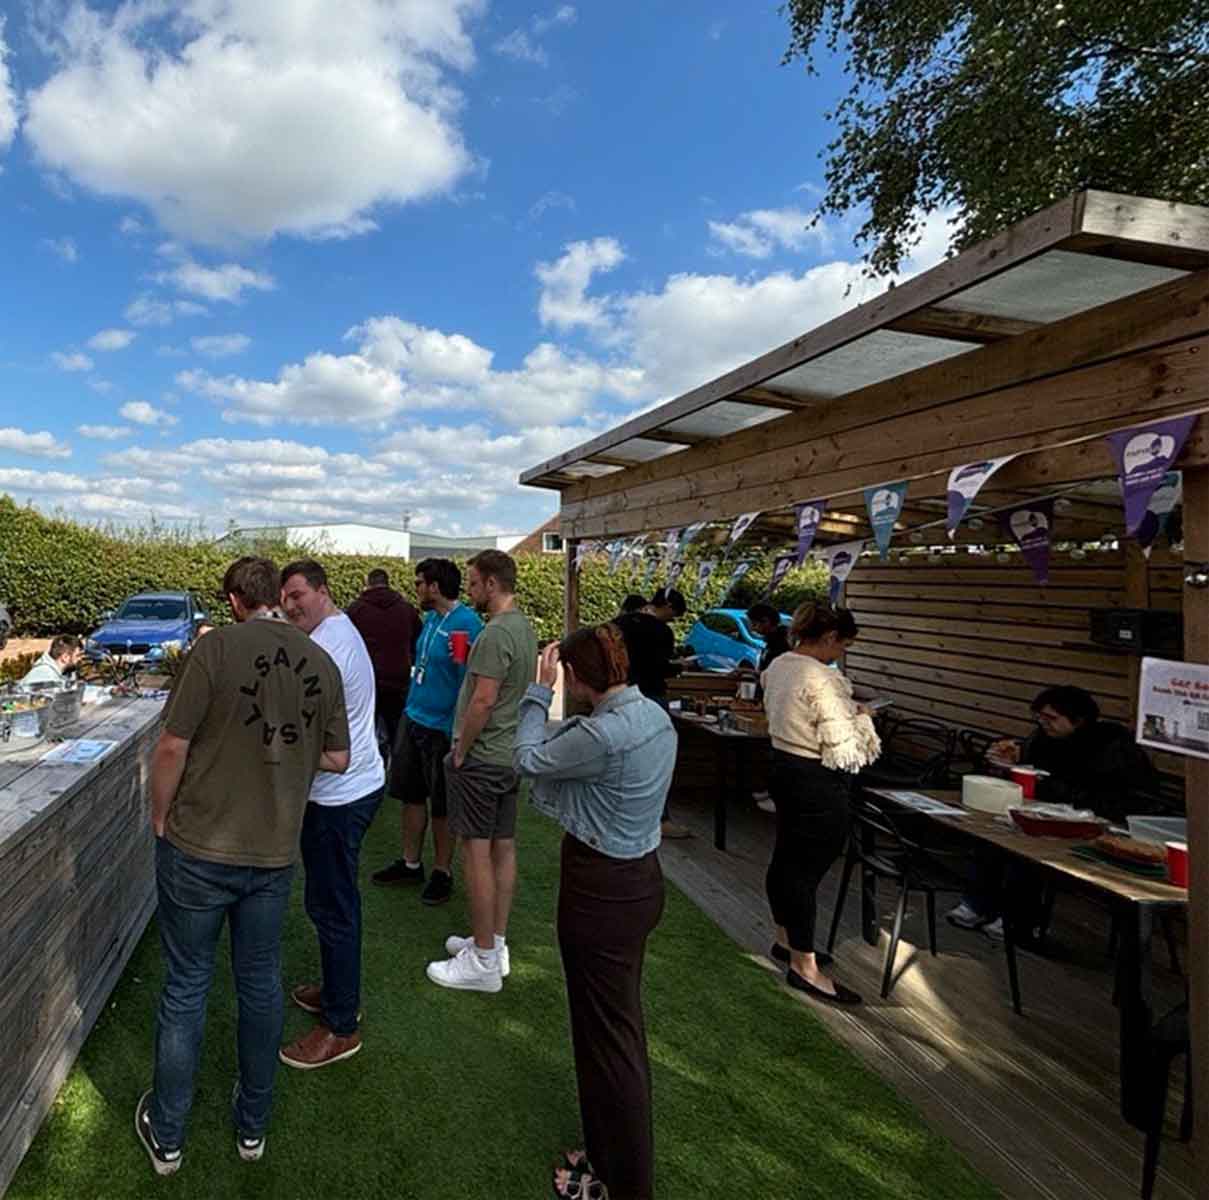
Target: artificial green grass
{"x":461,"y":1096}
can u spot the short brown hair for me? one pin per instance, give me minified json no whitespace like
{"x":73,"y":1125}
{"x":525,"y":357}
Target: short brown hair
{"x":495,"y":564}
{"x":814,"y":619}
{"x":598,"y":656}
{"x":309,"y":569}
{"x":64,"y":644}
{"x":253,"y":581}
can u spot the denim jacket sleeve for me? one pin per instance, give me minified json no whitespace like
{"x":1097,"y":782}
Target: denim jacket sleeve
{"x":575,"y":750}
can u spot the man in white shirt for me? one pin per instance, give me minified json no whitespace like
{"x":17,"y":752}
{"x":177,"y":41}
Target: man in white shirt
{"x":58,"y":662}
{"x":340,"y":810}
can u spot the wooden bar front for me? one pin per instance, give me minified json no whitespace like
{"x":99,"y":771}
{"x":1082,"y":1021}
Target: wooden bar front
{"x":77,"y":888}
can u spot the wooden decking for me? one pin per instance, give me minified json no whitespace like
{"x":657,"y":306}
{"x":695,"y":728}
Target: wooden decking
{"x":1031,"y":1101}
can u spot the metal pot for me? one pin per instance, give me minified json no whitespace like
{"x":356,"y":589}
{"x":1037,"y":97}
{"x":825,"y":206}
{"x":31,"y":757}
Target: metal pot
{"x":24,"y":717}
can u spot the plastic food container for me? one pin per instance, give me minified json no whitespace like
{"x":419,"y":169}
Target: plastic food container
{"x":985,"y":793}
{"x":1040,"y":822}
{"x":1158,"y":829}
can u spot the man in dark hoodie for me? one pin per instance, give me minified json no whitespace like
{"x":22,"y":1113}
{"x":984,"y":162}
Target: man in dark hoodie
{"x":390,"y":627}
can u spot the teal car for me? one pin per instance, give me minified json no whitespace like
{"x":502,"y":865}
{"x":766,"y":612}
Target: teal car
{"x":722,"y":639}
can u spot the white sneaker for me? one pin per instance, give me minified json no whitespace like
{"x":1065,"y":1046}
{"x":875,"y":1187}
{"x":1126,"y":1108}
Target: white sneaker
{"x":454,"y":945}
{"x":994,"y":929}
{"x":766,"y":804}
{"x":465,"y":972}
{"x":965,"y":917}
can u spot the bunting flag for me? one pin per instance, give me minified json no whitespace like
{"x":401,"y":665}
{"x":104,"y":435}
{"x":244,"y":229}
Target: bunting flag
{"x":634,"y":547}
{"x":674,"y":572}
{"x":840,"y":560}
{"x":885,"y":504}
{"x":1158,"y":511}
{"x":809,"y":514}
{"x":1143,"y":456}
{"x":616,"y":550}
{"x":737,"y":574}
{"x":582,"y":551}
{"x":670,"y":543}
{"x":648,"y":574}
{"x":689,"y":532}
{"x":742,"y":524}
{"x":1030,"y":526}
{"x":965,"y":483}
{"x":705,"y":571}
{"x":780,"y":568}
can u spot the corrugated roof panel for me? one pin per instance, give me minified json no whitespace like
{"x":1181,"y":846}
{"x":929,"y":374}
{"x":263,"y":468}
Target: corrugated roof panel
{"x":585,"y":469}
{"x":879,"y":355}
{"x":722,"y":418}
{"x":1058,"y":284}
{"x":642,"y":449}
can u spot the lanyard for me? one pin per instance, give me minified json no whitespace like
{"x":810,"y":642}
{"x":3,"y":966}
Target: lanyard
{"x":433,"y":633}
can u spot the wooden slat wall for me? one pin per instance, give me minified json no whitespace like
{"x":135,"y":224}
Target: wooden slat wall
{"x":970,"y":641}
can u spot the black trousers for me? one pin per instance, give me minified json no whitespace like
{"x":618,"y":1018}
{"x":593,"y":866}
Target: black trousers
{"x":812,"y":826}
{"x":607,"y":907}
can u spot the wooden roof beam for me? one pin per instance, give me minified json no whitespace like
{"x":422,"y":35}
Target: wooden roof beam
{"x":957,"y":326}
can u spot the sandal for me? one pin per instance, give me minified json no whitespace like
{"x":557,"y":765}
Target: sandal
{"x":570,"y":1184}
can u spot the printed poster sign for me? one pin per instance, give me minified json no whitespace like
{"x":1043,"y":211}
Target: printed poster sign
{"x":965,"y":483}
{"x":1143,"y":456}
{"x":1158,"y":511}
{"x":1030,"y":526}
{"x":1173,"y":707}
{"x":885,"y":505}
{"x":737,"y":574}
{"x":705,"y":571}
{"x":840,"y":560}
{"x":742,"y":524}
{"x":809,"y":514}
{"x":780,"y":568}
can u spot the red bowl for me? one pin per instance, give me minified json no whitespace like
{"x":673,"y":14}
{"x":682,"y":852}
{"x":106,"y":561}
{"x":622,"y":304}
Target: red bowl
{"x":1082,"y":828}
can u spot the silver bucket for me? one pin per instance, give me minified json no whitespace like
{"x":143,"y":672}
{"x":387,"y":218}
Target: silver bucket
{"x":24,"y":717}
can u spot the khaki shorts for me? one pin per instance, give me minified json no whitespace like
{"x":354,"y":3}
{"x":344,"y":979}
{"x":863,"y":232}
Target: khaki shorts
{"x":482,"y":799}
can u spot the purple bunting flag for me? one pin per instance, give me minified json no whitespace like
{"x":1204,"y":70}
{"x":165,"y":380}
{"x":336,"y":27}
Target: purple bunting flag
{"x":809,"y":514}
{"x":674,"y":573}
{"x":742,"y":523}
{"x":737,"y":574}
{"x":1158,"y":511}
{"x":705,"y":571}
{"x":840,"y":560}
{"x":1030,"y":526}
{"x":780,"y":568}
{"x":965,"y":483}
{"x":1143,"y":456}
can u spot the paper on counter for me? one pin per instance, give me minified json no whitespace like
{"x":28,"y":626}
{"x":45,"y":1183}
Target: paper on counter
{"x":77,"y":752}
{"x":920,"y":803}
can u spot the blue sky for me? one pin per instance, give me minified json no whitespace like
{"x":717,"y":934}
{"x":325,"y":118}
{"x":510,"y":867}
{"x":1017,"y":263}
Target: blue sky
{"x":286,"y":260}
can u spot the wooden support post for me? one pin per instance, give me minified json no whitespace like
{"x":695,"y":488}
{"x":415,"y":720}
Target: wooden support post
{"x":571,"y":587}
{"x":1137,"y":595}
{"x":1196,"y":649}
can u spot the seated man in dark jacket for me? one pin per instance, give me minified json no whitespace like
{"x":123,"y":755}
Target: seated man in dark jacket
{"x":1091,"y":763}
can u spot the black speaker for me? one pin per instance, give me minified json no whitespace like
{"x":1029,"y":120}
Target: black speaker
{"x":1152,"y":631}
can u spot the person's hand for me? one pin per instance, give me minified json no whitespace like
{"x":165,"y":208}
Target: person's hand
{"x":547,"y":666}
{"x":1005,"y":750}
{"x":458,"y":757}
{"x":157,"y":827}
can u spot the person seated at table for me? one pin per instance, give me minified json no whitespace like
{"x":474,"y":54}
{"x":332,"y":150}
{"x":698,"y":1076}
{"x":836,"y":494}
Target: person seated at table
{"x":58,"y":663}
{"x":1091,"y":763}
{"x":820,"y":738}
{"x":651,"y":649}
{"x":604,"y":777}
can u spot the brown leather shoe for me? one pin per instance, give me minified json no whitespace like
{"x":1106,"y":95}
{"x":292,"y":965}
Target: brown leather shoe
{"x":319,"y":1048}
{"x":308,"y":997}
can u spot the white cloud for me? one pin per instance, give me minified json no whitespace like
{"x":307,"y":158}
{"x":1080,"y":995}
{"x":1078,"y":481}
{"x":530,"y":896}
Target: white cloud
{"x":131,"y":226}
{"x":221,"y":345}
{"x":112,"y":339}
{"x":250,"y":118}
{"x":564,"y":303}
{"x":549,"y":200}
{"x":64,"y":247}
{"x":104,"y":496}
{"x":147,"y":310}
{"x":39,"y":445}
{"x":142,"y":413}
{"x":104,"y":433}
{"x":71,"y":360}
{"x":8,"y":95}
{"x":563,"y":15}
{"x":228,"y":282}
{"x":425,"y":354}
{"x":519,"y":46}
{"x":757,"y":234}
{"x":151,"y":462}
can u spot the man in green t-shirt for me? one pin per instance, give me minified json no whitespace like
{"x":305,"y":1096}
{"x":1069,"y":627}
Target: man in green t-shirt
{"x":481,"y":785}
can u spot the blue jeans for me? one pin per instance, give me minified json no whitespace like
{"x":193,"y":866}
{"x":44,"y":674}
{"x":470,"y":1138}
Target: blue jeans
{"x":331,"y":848}
{"x":195,"y":897}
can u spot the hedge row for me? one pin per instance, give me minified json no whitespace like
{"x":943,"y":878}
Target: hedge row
{"x":59,"y":577}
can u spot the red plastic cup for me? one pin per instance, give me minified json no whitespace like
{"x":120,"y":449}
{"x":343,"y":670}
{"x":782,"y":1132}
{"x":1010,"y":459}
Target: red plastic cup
{"x":459,"y":645}
{"x":1027,"y":778}
{"x":1177,"y":864}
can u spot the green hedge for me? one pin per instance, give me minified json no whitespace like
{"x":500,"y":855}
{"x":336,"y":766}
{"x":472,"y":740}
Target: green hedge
{"x":59,"y":577}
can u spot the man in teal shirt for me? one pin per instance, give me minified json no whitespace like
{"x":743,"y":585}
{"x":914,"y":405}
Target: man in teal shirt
{"x":417,"y":773}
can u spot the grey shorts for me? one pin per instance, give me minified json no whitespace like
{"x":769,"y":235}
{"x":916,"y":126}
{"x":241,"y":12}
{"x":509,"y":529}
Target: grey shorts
{"x":417,"y":768}
{"x":482,"y":799}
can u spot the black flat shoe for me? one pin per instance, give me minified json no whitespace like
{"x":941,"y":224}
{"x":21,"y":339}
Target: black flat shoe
{"x":843,"y":996}
{"x":780,"y":954}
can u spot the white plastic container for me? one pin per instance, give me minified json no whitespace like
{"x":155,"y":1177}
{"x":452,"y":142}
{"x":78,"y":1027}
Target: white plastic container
{"x":986,"y":793}
{"x":1158,"y":829}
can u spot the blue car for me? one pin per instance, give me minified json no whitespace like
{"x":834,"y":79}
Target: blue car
{"x":147,"y":625}
{"x":722,"y":639}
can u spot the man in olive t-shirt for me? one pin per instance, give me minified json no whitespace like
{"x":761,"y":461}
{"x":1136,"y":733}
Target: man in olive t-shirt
{"x":256,"y":712}
{"x":481,"y":785}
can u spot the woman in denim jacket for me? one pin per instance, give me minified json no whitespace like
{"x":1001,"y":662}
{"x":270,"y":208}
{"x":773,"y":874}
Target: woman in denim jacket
{"x":604,"y":778}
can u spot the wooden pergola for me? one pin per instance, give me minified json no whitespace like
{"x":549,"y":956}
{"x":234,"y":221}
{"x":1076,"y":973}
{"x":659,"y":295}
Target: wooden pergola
{"x":1089,"y":317}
